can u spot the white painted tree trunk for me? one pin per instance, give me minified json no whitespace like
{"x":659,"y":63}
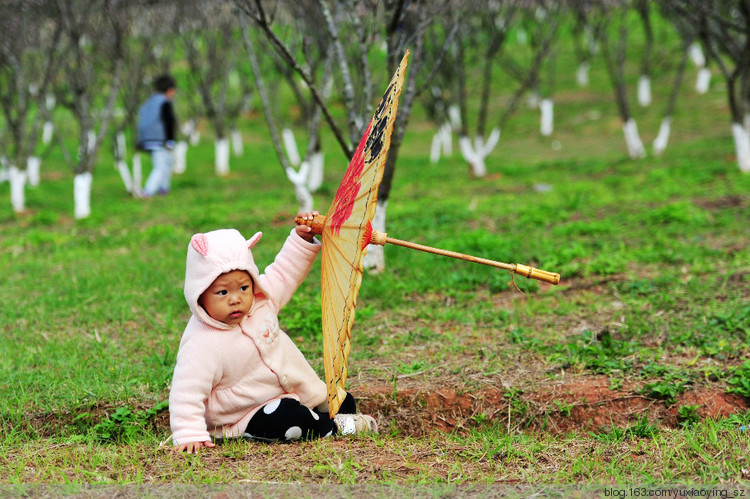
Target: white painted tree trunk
{"x":741,"y":146}
{"x":47,"y":132}
{"x":582,"y":74}
{"x":190,"y":130}
{"x":661,"y":140}
{"x":33,"y":166}
{"x":137,"y":173}
{"x":125,"y":175}
{"x":703,"y":81}
{"x":237,"y":146}
{"x":290,"y":145}
{"x":633,"y":140}
{"x":447,"y":142}
{"x":299,"y":180}
{"x":442,"y":142}
{"x":696,"y":54}
{"x":221,"y":147}
{"x":91,"y":141}
{"x":180,"y":157}
{"x":4,"y":169}
{"x":122,"y":147}
{"x":644,"y":90}
{"x":454,"y":116}
{"x":17,"y":179}
{"x":48,"y":128}
{"x":547,"y":125}
{"x":533,"y":100}
{"x":474,"y":154}
{"x":315,"y":177}
{"x":82,"y":195}
{"x":476,"y":162}
{"x":436,"y":146}
{"x":375,"y":257}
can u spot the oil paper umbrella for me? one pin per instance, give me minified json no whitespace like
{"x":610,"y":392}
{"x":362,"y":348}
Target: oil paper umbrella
{"x":347,"y":231}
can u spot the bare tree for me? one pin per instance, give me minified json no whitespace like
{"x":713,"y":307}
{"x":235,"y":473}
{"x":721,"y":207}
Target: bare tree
{"x":643,"y":7}
{"x":29,"y":57}
{"x":724,"y":29}
{"x":492,"y":21}
{"x":305,"y":172}
{"x":611,"y":31}
{"x":94,"y":34}
{"x":687,"y":37}
{"x":148,"y":52}
{"x":211,"y":38}
{"x":478,"y":20}
{"x":356,"y":29}
{"x":584,"y":43}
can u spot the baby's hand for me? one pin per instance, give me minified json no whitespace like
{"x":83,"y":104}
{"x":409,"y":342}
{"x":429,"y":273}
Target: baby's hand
{"x":193,"y":447}
{"x":304,"y":231}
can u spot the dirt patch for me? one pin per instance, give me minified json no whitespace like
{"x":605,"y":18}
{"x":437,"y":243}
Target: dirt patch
{"x":584,"y":404}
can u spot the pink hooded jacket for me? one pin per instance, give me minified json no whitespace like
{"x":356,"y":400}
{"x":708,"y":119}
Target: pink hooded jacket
{"x":225,"y":373}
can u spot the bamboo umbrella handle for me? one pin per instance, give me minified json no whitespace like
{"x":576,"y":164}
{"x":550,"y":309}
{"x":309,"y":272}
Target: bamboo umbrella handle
{"x":524,"y":270}
{"x":381,"y":238}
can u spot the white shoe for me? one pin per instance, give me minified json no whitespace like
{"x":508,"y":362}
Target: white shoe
{"x":349,"y":424}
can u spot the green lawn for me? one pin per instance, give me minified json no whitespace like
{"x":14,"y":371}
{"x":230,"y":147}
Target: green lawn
{"x":654,"y":300}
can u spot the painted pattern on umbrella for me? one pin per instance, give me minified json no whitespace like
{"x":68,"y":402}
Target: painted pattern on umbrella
{"x":346,"y":234}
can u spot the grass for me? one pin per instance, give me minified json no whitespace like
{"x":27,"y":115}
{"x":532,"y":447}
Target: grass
{"x":654,"y":300}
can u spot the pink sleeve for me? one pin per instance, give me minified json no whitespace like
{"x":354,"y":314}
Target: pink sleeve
{"x":191,"y":386}
{"x":282,"y":278}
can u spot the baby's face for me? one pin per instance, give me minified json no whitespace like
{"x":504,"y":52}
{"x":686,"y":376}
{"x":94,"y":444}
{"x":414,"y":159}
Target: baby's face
{"x":229,"y":298}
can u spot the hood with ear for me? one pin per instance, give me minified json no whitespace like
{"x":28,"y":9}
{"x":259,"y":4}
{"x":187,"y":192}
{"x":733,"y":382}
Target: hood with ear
{"x":214,"y":253}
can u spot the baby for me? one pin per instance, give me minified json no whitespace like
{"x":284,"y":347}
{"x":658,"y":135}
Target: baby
{"x":237,"y":373}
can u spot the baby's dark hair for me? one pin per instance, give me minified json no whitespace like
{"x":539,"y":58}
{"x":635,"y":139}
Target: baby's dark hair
{"x":164,"y":82}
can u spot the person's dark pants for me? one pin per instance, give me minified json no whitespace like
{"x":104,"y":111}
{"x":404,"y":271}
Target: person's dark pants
{"x":286,"y":419}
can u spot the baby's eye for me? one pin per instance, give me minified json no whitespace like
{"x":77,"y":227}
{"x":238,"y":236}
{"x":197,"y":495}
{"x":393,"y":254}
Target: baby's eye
{"x":223,"y":292}
{"x":245,"y":288}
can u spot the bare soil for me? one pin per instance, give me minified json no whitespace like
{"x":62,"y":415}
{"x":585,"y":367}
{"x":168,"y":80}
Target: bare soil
{"x":585,"y":403}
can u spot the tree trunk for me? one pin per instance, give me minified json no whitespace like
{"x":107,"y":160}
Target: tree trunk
{"x":547,"y":125}
{"x":741,"y":146}
{"x":137,"y":174}
{"x":375,"y":256}
{"x":661,"y":140}
{"x":17,"y":179}
{"x":82,"y":194}
{"x":221,"y":148}
{"x":237,"y":146}
{"x":703,"y":81}
{"x":180,"y":157}
{"x":125,"y":175}
{"x":315,"y":177}
{"x":644,"y":90}
{"x":633,"y":140}
{"x":33,"y":165}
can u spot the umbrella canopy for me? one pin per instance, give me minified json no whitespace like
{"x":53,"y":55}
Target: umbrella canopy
{"x":345,"y":236}
{"x":346,"y":231}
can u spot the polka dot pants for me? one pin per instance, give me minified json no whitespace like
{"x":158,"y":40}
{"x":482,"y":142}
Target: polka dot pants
{"x":285,"y":420}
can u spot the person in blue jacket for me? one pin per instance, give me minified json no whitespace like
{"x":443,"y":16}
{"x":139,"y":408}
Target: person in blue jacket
{"x":157,"y":125}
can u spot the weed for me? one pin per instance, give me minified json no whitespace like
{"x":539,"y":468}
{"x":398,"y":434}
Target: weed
{"x":739,"y":380}
{"x":687,"y":415}
{"x":641,"y":429}
{"x":564,"y":408}
{"x":598,"y":353}
{"x":125,"y":424}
